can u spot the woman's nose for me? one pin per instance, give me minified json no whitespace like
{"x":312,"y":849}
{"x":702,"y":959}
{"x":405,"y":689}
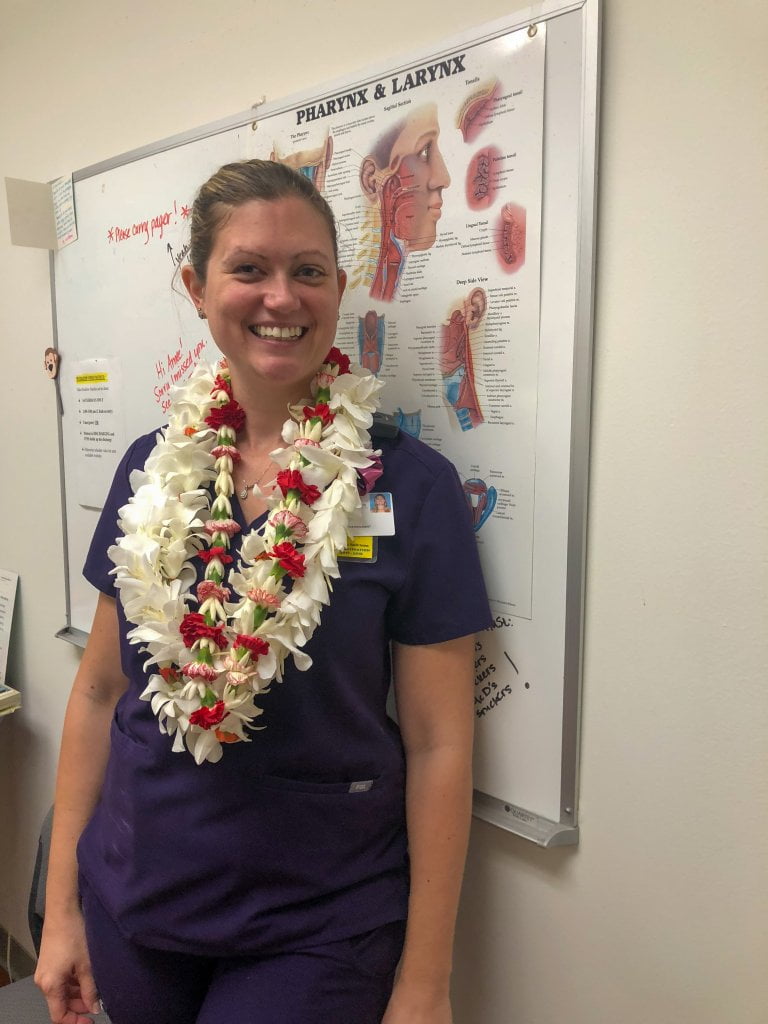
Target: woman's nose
{"x":280,"y":293}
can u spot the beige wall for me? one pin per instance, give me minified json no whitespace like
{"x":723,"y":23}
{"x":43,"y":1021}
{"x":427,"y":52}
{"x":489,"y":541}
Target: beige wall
{"x":660,"y":914}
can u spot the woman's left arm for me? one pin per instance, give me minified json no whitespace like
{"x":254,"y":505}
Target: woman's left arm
{"x":433,"y":688}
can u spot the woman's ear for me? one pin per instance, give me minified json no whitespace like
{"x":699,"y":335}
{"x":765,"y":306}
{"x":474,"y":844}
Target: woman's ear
{"x":193,"y":284}
{"x":341,"y":277}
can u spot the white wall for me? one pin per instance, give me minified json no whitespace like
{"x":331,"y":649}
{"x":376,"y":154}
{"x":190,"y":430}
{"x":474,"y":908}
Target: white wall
{"x":660,"y":914}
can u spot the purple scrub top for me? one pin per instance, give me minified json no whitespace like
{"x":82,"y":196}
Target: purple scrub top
{"x":278,"y":845}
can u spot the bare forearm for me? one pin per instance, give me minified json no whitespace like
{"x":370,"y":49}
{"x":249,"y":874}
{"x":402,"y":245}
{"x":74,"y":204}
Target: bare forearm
{"x":439,"y":802}
{"x":84,"y":751}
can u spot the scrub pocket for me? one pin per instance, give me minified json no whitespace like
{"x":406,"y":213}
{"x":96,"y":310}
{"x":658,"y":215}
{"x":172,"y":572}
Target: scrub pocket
{"x":211,"y":857}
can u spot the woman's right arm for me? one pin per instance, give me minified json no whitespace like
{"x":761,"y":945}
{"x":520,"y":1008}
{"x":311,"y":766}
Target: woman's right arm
{"x":63,"y":971}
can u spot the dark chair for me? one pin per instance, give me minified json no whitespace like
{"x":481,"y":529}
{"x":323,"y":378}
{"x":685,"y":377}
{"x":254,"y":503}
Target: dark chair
{"x":22,"y":1002}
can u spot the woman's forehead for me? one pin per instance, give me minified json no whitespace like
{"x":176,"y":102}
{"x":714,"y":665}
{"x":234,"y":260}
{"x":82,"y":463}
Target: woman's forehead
{"x":290,"y":222}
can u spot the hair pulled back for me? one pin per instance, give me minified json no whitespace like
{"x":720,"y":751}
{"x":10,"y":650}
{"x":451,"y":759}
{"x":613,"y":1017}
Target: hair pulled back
{"x":241,"y":182}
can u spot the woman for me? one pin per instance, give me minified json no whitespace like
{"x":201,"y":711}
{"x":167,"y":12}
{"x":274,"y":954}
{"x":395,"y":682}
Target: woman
{"x":266,"y":881}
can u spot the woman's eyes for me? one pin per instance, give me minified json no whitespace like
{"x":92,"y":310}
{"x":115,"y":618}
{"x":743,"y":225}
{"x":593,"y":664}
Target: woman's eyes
{"x":305,"y":272}
{"x":424,"y":153}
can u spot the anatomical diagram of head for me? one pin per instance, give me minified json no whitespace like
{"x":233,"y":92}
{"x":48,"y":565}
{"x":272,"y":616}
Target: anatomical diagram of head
{"x":403,"y":178}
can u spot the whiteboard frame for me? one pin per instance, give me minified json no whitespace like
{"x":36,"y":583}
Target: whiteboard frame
{"x":518,"y":820}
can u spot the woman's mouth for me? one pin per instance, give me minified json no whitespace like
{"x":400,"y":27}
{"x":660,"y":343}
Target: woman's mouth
{"x":284,"y":333}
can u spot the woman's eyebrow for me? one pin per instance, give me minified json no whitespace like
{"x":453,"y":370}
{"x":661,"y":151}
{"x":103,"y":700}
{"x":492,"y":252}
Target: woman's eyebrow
{"x":241,"y":253}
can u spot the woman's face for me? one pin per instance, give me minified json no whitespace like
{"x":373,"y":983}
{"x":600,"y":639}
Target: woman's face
{"x":418,"y":162}
{"x":380,"y":503}
{"x":271,"y":292}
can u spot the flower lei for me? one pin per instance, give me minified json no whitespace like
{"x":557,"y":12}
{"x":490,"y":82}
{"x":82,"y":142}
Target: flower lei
{"x":212,"y":662}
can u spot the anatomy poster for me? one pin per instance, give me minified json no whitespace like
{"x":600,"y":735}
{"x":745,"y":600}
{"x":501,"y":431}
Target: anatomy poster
{"x":435,"y":176}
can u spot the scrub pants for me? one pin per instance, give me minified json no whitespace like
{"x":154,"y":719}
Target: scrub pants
{"x":345,"y":982}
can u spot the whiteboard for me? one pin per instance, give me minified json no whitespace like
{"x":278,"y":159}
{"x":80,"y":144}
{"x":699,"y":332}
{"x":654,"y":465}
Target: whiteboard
{"x":124,"y":331}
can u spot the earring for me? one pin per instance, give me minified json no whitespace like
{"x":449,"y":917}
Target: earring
{"x":201,"y":314}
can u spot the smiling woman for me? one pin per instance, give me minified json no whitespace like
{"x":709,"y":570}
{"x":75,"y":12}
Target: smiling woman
{"x":271,"y":295}
{"x":203,"y":869}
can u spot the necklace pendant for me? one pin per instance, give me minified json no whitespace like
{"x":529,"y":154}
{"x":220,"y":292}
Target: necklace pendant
{"x":244,"y":492}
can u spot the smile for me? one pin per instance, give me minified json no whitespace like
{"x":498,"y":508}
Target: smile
{"x":277,"y":332}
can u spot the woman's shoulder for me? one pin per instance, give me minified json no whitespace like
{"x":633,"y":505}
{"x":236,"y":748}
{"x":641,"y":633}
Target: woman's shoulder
{"x":407,"y":453}
{"x":138,"y":451}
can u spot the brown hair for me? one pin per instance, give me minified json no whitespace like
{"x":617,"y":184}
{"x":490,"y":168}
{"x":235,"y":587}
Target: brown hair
{"x":238,"y":183}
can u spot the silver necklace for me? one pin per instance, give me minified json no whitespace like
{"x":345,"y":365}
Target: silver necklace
{"x":243,"y":492}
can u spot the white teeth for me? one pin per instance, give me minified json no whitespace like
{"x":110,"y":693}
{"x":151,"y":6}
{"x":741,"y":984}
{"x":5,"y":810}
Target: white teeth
{"x":277,"y":332}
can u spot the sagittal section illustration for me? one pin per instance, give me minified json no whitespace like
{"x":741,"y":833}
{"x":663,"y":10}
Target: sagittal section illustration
{"x":476,"y":112}
{"x":456,"y":363}
{"x":402,"y":178}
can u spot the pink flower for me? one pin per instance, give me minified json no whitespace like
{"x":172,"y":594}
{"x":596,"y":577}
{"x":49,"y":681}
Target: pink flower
{"x":237,"y":678}
{"x":228,"y":526}
{"x":324,"y":380}
{"x":199,"y":670}
{"x":263,"y":597}
{"x":222,"y":450}
{"x":208,"y":588}
{"x":306,"y":442}
{"x":292,"y":523}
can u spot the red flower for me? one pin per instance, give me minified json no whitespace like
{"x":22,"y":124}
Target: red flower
{"x":229,"y":415}
{"x":215,"y":552}
{"x":292,"y":480}
{"x":289,"y":558}
{"x":222,"y":384}
{"x":194,"y":627}
{"x":338,"y":357}
{"x":320,"y":411}
{"x":254,"y":644}
{"x":208,"y":717}
{"x":191,"y":626}
{"x":170,"y":674}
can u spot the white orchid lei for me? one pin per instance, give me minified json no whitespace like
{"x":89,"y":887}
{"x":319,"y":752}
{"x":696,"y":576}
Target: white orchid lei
{"x":212,"y":663}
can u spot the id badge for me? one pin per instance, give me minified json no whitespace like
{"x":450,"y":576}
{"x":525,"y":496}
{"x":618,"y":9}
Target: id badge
{"x":375,"y":518}
{"x":360,"y":549}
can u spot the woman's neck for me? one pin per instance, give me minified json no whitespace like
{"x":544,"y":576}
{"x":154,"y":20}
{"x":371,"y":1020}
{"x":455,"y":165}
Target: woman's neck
{"x":266,"y":410}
